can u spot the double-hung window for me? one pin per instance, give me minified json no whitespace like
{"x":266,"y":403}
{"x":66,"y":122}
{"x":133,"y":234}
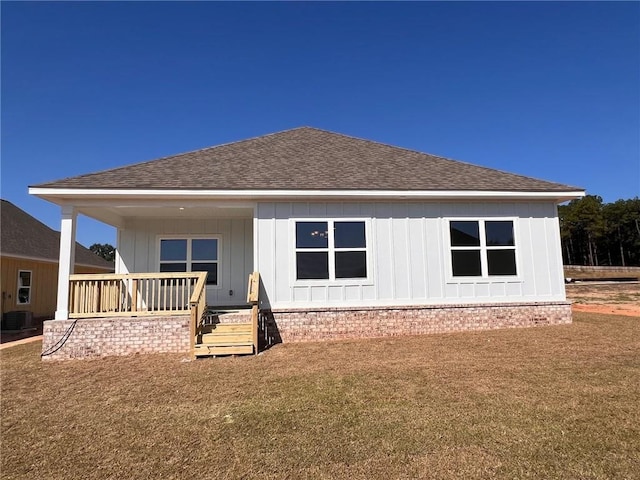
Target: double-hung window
{"x":482,"y":248}
{"x":190,"y":255}
{"x":24,"y":287}
{"x":331,"y":250}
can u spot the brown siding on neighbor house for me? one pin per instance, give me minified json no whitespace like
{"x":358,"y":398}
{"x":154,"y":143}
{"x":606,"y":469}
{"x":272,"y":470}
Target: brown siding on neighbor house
{"x":44,"y":281}
{"x":44,"y":284}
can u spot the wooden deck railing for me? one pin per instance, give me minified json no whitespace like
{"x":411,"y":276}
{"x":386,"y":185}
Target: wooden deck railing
{"x":135,"y":294}
{"x":253,"y":291}
{"x":198,"y":304}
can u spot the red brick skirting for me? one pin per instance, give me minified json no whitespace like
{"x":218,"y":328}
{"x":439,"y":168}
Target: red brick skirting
{"x":296,"y":325}
{"x":101,"y":337}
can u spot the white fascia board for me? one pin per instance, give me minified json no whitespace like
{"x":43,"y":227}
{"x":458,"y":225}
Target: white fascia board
{"x":68,"y":195}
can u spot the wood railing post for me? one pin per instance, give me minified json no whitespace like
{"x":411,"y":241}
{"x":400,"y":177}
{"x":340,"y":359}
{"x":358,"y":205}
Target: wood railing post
{"x":253,"y":290}
{"x":198,"y":304}
{"x":134,"y":295}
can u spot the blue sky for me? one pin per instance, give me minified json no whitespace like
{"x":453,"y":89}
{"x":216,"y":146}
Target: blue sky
{"x":544,"y":89}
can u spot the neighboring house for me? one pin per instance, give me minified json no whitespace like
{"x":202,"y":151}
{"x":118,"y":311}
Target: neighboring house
{"x":351,"y":237}
{"x":29,"y":252}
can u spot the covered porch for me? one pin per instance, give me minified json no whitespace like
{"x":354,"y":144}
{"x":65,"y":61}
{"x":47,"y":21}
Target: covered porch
{"x":175,"y":259}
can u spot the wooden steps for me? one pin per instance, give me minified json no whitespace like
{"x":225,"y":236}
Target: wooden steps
{"x":225,"y":339}
{"x":220,"y":332}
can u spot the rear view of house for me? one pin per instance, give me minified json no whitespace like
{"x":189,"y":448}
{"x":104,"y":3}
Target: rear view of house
{"x":349,"y":237}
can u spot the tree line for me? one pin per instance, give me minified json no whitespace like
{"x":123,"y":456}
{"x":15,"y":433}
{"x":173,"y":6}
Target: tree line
{"x":596,"y":233}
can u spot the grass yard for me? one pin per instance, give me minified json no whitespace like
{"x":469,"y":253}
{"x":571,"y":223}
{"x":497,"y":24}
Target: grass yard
{"x":545,"y":402}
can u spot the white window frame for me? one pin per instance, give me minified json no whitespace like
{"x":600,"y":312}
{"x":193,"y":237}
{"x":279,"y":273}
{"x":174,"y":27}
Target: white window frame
{"x":189,"y":260}
{"x":331,"y":250}
{"x":19,"y":287}
{"x":483,"y":247}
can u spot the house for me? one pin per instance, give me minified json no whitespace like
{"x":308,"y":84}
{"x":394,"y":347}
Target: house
{"x":350,"y":238}
{"x":29,"y":252}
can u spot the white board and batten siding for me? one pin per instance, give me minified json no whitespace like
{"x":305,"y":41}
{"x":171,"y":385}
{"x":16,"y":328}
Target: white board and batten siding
{"x":139,"y":242}
{"x":410,"y":255}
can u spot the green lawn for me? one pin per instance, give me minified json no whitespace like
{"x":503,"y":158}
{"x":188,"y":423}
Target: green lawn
{"x":545,"y":402}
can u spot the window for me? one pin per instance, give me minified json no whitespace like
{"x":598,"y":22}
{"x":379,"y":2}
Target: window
{"x":482,"y":248}
{"x":190,"y":255}
{"x":331,"y":250}
{"x":24,"y":287}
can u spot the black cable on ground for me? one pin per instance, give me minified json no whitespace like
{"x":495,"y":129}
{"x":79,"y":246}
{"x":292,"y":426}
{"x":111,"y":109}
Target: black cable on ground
{"x":60,"y":343}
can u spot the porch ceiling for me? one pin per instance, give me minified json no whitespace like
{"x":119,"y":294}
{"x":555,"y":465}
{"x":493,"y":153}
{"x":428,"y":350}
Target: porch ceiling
{"x":116,"y":214}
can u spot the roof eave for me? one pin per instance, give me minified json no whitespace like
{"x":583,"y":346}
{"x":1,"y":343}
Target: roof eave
{"x":64,"y":196}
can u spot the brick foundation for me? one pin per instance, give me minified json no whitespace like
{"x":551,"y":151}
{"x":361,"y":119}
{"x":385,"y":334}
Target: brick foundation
{"x":292,"y":325}
{"x":101,"y":337}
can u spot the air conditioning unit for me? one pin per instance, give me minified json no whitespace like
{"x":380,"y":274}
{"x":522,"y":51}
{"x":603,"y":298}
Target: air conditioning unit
{"x":18,"y":320}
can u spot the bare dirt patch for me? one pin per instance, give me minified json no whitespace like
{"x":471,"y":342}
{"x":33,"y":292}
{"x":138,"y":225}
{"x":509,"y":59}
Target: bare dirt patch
{"x":610,"y":298}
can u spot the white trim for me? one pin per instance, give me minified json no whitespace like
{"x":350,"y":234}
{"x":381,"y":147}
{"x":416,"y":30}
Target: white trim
{"x":19,"y":287}
{"x":66,"y":263}
{"x":189,"y":260}
{"x":331,"y":250}
{"x":483,"y":248}
{"x":104,"y":193}
{"x":255,"y":237}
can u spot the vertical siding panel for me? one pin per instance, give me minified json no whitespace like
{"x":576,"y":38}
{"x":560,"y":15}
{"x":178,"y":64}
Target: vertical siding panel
{"x":317,"y":209}
{"x":142,"y":249}
{"x":126,"y":248}
{"x":318,"y":294}
{"x":417,"y":253}
{"x":467,"y":291}
{"x":351,"y":209}
{"x":352,"y":293}
{"x":301,"y":294}
{"x":266,"y":241}
{"x":282,"y":251}
{"x":335,"y":294}
{"x":400,"y":249}
{"x":248,"y":255}
{"x":524,"y":250}
{"x":237,"y":255}
{"x":436,"y":253}
{"x":556,"y":272}
{"x":384,"y":253}
{"x":300,"y":209}
{"x":540,"y":249}
{"x":334,"y":210}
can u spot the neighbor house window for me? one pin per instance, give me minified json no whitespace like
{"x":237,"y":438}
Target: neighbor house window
{"x":24,"y":287}
{"x":331,"y":250}
{"x":190,"y":255}
{"x":482,"y":248}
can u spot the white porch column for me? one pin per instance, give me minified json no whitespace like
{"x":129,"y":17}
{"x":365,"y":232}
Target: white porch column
{"x":67,"y":259}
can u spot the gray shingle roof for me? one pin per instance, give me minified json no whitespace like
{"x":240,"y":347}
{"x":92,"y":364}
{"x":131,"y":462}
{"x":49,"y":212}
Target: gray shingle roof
{"x":24,"y":236}
{"x":306,"y":159}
